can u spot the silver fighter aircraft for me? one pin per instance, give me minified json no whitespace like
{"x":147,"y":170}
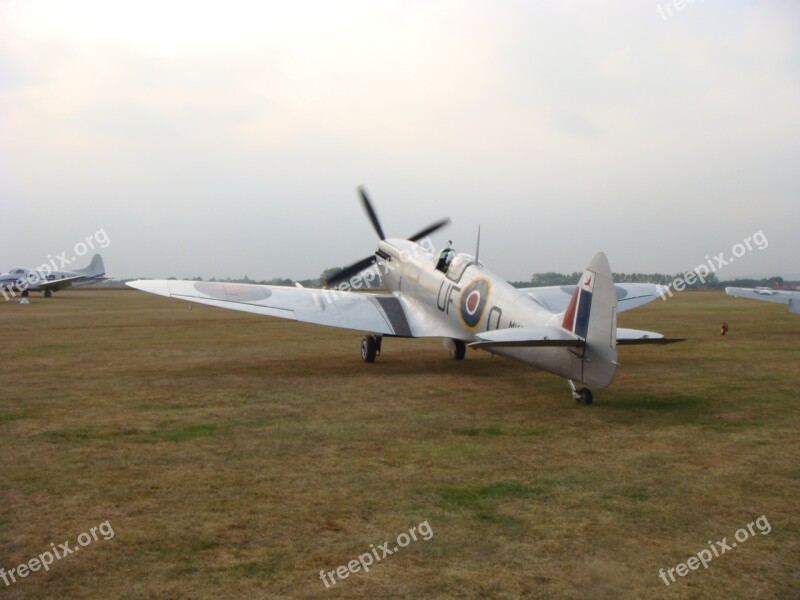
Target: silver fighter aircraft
{"x":570,"y":331}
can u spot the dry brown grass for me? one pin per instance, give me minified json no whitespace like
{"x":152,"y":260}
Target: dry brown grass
{"x":237,"y":456}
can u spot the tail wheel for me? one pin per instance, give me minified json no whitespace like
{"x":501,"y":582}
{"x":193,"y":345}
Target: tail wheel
{"x":584,"y":396}
{"x":369,"y":348}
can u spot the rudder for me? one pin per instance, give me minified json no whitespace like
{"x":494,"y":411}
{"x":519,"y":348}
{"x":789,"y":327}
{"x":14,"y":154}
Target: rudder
{"x":592,"y":315}
{"x":96,"y":268}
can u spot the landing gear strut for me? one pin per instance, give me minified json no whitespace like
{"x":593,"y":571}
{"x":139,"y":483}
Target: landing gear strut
{"x":583,"y":395}
{"x":370,"y":348}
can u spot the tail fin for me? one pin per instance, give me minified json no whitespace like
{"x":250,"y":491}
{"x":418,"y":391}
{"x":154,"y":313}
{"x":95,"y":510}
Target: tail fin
{"x":592,"y":315}
{"x":96,"y":268}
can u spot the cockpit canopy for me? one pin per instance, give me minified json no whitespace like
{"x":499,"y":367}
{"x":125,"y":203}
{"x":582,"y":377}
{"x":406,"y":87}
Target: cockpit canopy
{"x":454,"y":265}
{"x":459,"y":264}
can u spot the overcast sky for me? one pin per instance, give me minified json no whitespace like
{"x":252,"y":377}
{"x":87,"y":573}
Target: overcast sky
{"x":227,"y":138}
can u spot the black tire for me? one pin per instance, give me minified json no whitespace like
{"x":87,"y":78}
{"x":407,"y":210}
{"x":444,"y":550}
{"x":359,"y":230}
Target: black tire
{"x":585,"y":396}
{"x":369,"y":348}
{"x":48,"y":293}
{"x":24,"y":293}
{"x":460,"y":350}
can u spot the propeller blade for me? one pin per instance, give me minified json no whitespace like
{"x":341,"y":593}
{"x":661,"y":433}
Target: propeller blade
{"x":367,"y":262}
{"x":348,"y":272}
{"x":371,"y":213}
{"x":429,"y":229}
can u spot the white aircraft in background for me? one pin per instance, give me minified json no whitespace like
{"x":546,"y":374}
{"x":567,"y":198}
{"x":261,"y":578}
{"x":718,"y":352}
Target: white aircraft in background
{"x":790,"y":297}
{"x":566,"y":330}
{"x":20,"y":280}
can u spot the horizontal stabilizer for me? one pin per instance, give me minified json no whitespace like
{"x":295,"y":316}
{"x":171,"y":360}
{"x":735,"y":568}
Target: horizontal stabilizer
{"x":553,"y":337}
{"x":528,"y":337}
{"x":630,"y":337}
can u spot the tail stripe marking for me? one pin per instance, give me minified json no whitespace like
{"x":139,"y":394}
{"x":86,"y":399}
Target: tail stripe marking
{"x":582,"y":318}
{"x":569,"y":315}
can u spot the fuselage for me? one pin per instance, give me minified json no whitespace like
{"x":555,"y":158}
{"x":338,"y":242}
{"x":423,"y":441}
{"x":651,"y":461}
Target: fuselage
{"x":466,"y":295}
{"x":465,"y":299}
{"x":21,"y":279}
{"x":17,"y":275}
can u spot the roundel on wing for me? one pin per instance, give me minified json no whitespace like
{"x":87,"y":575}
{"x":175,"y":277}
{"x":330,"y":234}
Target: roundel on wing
{"x":473,"y":301}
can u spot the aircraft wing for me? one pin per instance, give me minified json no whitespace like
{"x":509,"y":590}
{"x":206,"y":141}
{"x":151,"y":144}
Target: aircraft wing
{"x":375,"y":313}
{"x":629,"y":295}
{"x":630,"y":337}
{"x":58,"y":284}
{"x":789,"y":297}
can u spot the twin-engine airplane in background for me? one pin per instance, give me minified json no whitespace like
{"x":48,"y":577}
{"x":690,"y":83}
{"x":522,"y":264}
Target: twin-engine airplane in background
{"x":20,"y":280}
{"x":790,"y":297}
{"x":570,"y":331}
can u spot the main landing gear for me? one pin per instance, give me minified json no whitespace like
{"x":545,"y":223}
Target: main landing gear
{"x":48,"y":294}
{"x":583,"y":395}
{"x":370,"y":348}
{"x":457,"y":348}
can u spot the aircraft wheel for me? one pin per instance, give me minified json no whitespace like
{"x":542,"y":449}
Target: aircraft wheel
{"x":369,"y":348}
{"x":48,"y":293}
{"x":24,"y":293}
{"x":459,"y":350}
{"x":584,"y":396}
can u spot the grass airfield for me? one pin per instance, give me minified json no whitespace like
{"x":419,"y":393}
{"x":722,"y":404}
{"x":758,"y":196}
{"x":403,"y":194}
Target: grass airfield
{"x":236,"y":456}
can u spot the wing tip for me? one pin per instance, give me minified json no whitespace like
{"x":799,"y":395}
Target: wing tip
{"x":151,"y":286}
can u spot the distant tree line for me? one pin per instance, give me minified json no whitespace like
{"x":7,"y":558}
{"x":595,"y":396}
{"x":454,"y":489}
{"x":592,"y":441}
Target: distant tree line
{"x":711,"y":281}
{"x":275,"y":281}
{"x":550,"y":278}
{"x":310,"y":283}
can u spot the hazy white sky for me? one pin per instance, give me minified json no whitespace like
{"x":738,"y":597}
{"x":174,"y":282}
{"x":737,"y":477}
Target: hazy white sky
{"x":227,"y":139}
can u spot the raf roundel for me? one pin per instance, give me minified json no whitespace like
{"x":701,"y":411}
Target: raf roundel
{"x":473,"y":302}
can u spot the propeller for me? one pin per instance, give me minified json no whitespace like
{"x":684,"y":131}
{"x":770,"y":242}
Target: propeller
{"x":429,"y":229}
{"x":351,"y":270}
{"x":371,"y":212}
{"x":367,"y":262}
